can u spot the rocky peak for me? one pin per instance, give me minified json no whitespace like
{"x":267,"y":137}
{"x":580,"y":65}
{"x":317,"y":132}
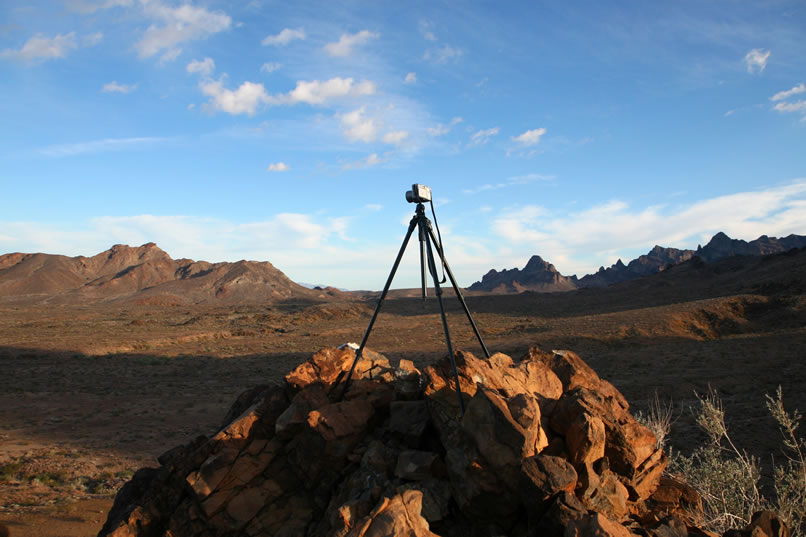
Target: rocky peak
{"x":537,"y":264}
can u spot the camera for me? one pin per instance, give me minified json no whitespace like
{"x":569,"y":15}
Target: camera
{"x":418,"y":194}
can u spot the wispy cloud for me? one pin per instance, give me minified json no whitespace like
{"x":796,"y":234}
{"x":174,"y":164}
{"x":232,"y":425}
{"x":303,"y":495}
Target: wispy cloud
{"x":395,"y":137}
{"x":411,"y":78}
{"x":788,"y":107}
{"x":756,"y":60}
{"x":177,"y":25}
{"x":347,"y":42}
{"x":286,"y":36}
{"x":786,"y":94}
{"x":371,"y":160}
{"x":98,"y":146}
{"x":441,"y":130}
{"x":530,"y":137}
{"x":443,"y":54}
{"x":483,"y":136}
{"x":40,"y":48}
{"x":512,"y":181}
{"x":91,"y":40}
{"x":270,"y":67}
{"x":114,"y":87}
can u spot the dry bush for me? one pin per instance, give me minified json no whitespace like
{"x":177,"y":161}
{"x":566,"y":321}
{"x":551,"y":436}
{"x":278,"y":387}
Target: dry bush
{"x":728,"y":479}
{"x":658,"y":419}
{"x":790,"y":478}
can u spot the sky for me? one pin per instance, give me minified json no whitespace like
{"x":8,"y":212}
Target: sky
{"x":289,"y":132}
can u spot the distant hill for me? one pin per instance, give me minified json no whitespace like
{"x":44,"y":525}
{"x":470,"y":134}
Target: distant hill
{"x":145,"y":274}
{"x":538,"y":275}
{"x":541,"y":276}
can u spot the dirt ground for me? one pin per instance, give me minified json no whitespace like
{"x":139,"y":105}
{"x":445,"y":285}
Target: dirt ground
{"x":89,"y":394}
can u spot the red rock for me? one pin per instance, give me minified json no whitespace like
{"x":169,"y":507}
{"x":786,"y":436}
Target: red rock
{"x":596,"y":525}
{"x":398,"y":516}
{"x":585,"y":439}
{"x":546,"y":476}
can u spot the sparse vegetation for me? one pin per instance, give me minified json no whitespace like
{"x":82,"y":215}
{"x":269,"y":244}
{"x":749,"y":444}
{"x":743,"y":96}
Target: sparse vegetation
{"x":658,"y":419}
{"x":729,"y":479}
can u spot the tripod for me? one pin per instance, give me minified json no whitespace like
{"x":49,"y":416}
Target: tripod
{"x":427,"y":238}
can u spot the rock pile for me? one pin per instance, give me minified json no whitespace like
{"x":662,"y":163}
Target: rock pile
{"x":545,"y":447}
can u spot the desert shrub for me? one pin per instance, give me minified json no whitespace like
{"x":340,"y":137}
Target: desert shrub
{"x":658,"y":419}
{"x":728,"y":479}
{"x":790,"y":477}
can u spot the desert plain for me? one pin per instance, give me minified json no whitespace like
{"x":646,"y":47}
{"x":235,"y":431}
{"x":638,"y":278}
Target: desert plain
{"x":90,"y":392}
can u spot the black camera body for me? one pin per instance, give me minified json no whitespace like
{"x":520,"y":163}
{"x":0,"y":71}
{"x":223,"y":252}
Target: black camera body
{"x":418,"y":194}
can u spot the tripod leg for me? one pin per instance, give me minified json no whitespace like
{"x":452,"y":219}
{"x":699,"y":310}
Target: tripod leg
{"x":438,"y":292}
{"x":360,"y":350}
{"x":423,"y":281}
{"x":459,"y":294}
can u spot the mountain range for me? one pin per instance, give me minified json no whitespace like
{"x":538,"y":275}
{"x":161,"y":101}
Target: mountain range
{"x":541,"y":276}
{"x":147,"y":275}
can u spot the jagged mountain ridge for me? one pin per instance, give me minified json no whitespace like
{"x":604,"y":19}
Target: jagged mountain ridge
{"x":541,"y":276}
{"x":144,"y":274}
{"x":537,"y":275}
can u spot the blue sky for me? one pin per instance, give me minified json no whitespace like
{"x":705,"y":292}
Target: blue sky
{"x":289,"y":132}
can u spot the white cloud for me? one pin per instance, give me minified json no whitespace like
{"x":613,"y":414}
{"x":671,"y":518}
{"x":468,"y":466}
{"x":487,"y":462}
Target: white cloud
{"x":244,"y":100}
{"x":531,"y":137}
{"x":796,"y":106}
{"x":411,"y":78}
{"x":177,"y":25}
{"x":589,"y":238}
{"x":357,"y":127}
{"x":316,"y":92}
{"x":278,"y":167}
{"x":97,"y":146}
{"x":781,"y":95}
{"x":40,"y":47}
{"x":395,"y":137}
{"x":250,"y":95}
{"x":441,"y":129}
{"x":374,"y":207}
{"x":483,"y":136}
{"x":443,"y":54}
{"x":756,"y":60}
{"x":270,"y":67}
{"x":284,"y":37}
{"x":344,"y":46}
{"x":371,"y":160}
{"x":204,"y":67}
{"x":114,"y":87}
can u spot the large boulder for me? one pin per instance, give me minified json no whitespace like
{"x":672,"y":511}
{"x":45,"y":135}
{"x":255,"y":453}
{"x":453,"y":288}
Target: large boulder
{"x":545,"y":447}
